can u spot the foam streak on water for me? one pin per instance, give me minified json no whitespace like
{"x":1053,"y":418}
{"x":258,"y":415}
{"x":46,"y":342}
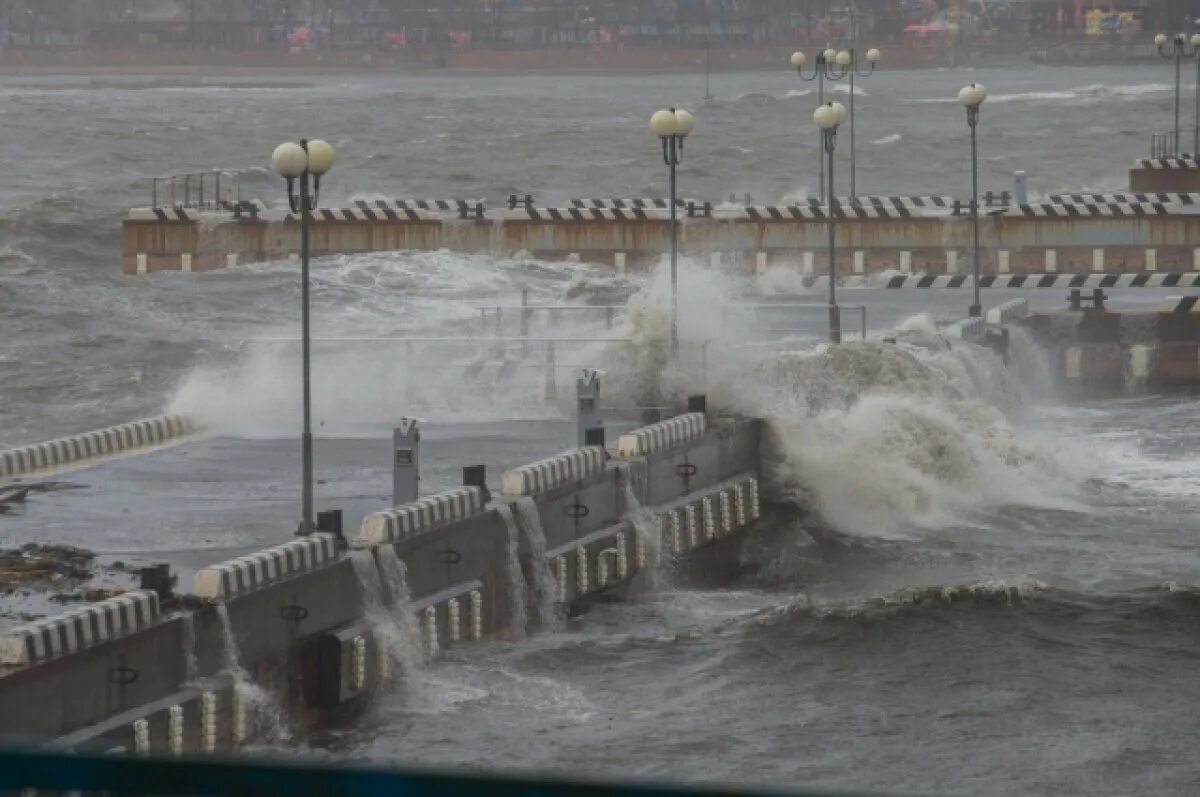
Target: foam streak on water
{"x":545,"y":584}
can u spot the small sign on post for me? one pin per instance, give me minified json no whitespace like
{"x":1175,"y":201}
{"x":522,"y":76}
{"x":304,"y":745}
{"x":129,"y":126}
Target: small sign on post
{"x":406,"y":449}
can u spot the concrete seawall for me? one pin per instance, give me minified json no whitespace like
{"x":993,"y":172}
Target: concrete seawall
{"x":309,"y":630}
{"x":1073,"y":233}
{"x":77,"y":450}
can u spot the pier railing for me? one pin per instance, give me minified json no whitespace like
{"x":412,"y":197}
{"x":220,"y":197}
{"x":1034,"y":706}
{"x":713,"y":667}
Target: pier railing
{"x":1164,"y":145}
{"x":211,"y":190}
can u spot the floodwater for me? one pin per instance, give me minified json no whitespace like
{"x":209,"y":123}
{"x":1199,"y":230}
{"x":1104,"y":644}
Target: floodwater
{"x":965,"y":585}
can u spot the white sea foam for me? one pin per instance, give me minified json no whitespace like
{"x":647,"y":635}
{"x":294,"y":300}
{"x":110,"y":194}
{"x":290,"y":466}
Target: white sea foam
{"x":891,"y":138}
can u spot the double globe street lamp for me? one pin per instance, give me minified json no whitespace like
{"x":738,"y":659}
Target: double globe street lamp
{"x":828,"y":118}
{"x":971,"y":97}
{"x":1176,"y":48}
{"x":830,"y":65}
{"x":872,"y":57}
{"x":672,"y":126}
{"x":304,"y":163}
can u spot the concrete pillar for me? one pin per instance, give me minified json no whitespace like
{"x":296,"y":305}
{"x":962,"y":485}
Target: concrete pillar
{"x":906,"y":262}
{"x":1151,"y":260}
{"x":185,"y":262}
{"x":406,"y":450}
{"x":807,"y":263}
{"x":859,"y":262}
{"x":293,"y":255}
{"x":1196,"y":259}
{"x":1139,"y":361}
{"x":760,"y":264}
{"x":1073,"y":365}
{"x":619,"y":262}
{"x":1098,"y":260}
{"x":142,"y":262}
{"x":714,"y":260}
{"x":231,"y":260}
{"x":1051,"y":261}
{"x":1002,"y":264}
{"x":951,"y":261}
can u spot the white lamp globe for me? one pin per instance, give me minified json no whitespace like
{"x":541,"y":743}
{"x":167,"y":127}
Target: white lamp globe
{"x":841,"y":111}
{"x":1160,"y":40}
{"x":289,"y":160}
{"x":843,"y":58}
{"x":684,"y":122}
{"x":873,"y":56}
{"x":1196,"y":39}
{"x":797,"y":59}
{"x":972,"y":96}
{"x":320,"y":156}
{"x":829,"y":54}
{"x":826,"y":116}
{"x":662,"y":123}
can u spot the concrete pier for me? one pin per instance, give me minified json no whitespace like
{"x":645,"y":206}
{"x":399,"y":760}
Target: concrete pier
{"x":1069,"y":234}
{"x":301,"y":625}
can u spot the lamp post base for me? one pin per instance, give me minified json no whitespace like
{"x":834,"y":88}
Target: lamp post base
{"x":975,"y":311}
{"x":835,"y":323}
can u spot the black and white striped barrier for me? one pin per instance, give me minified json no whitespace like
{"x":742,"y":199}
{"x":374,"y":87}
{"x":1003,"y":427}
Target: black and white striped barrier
{"x":662,"y":436}
{"x":1180,"y":162}
{"x":434,"y":205}
{"x":1182,"y":304}
{"x":81,"y":448}
{"x":1124,"y":199}
{"x":1144,"y":280}
{"x":636,"y":202}
{"x":255,"y":571}
{"x":164,"y":214}
{"x":422,"y":515}
{"x":79,"y":629}
{"x":379,"y":212}
{"x":588,"y":214}
{"x":1008,"y":312}
{"x":547,"y":474}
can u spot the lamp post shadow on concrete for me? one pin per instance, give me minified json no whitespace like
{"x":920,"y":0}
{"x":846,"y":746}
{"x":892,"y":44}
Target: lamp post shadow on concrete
{"x":1176,"y":48}
{"x":971,"y":97}
{"x":672,"y":126}
{"x":830,"y":65}
{"x":828,"y":117}
{"x":304,"y":163}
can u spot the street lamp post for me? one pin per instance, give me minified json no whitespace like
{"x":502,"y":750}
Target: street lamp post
{"x":673,"y":126}
{"x":827,"y":67}
{"x":1177,"y":51}
{"x":305,"y":163}
{"x":971,"y":97}
{"x":828,"y":117}
{"x":873,"y":56}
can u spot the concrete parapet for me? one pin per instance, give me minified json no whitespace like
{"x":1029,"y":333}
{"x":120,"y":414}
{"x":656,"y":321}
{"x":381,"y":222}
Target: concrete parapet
{"x":259,"y":570}
{"x":967,"y":329}
{"x":112,"y":441}
{"x":77,"y":629}
{"x":422,"y":515}
{"x":1007,"y":312}
{"x":662,"y":436}
{"x":547,"y":474}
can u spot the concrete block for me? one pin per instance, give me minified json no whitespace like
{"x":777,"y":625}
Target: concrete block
{"x":806,"y":266}
{"x":906,"y":262}
{"x":422,"y":515}
{"x":619,"y":262}
{"x":231,"y":260}
{"x":141,"y":263}
{"x":760,"y":264}
{"x":547,"y":474}
{"x":1051,"y":261}
{"x":1002,"y":262}
{"x":1098,"y":261}
{"x":1008,"y":312}
{"x":662,"y":436}
{"x":1139,"y":361}
{"x":75,"y":630}
{"x":859,"y":261}
{"x":185,"y":262}
{"x":1151,"y":260}
{"x":259,"y":570}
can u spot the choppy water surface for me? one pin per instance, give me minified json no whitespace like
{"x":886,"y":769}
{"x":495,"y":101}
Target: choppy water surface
{"x":965,"y":586}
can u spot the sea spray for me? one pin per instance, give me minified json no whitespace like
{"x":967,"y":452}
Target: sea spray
{"x":647,"y":530}
{"x":395,"y":625}
{"x":517,"y":601}
{"x":545,"y":584}
{"x":257,"y":712}
{"x":189,"y":645}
